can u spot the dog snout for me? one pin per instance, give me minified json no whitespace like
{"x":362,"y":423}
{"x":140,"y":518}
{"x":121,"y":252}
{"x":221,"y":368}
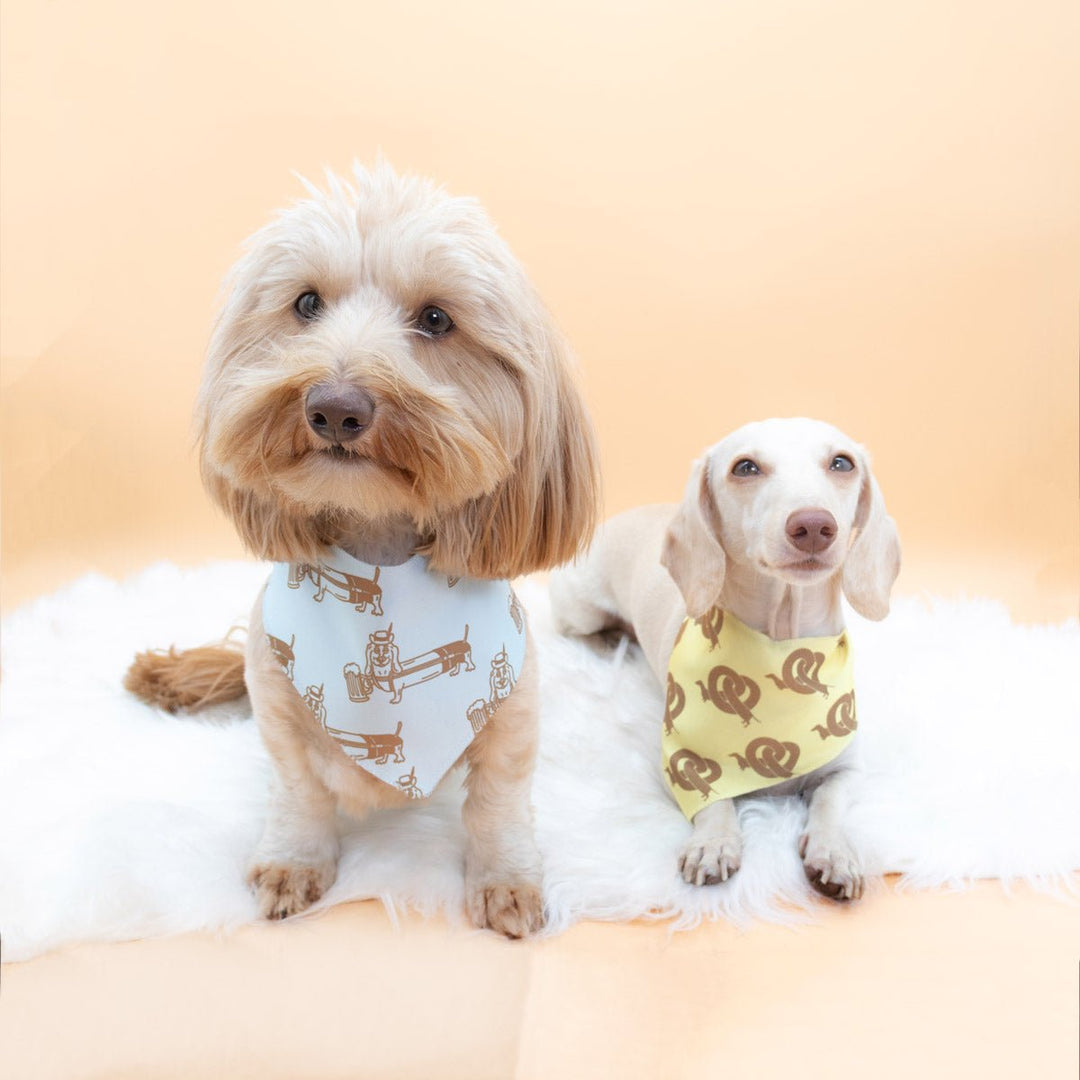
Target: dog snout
{"x":811,"y":531}
{"x":338,"y":413}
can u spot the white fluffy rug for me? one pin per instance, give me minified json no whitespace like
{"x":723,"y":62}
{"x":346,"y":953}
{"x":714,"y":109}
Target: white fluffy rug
{"x":119,"y":822}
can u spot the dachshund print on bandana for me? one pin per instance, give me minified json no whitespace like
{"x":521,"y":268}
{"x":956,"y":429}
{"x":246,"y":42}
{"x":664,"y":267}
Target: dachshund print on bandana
{"x":402,"y":666}
{"x":745,"y":712}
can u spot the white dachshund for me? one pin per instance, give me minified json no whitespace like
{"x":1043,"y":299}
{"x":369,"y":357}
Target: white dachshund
{"x":779,"y":519}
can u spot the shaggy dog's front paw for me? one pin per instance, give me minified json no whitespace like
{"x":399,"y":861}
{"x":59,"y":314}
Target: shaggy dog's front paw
{"x":711,"y":860}
{"x":833,"y":867}
{"x":515,"y":910}
{"x":283,"y":889}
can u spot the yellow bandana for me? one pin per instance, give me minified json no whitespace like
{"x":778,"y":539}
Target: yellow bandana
{"x":745,"y":712}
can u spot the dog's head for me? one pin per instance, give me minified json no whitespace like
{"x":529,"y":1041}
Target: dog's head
{"x":794,"y":499}
{"x":381,"y":355}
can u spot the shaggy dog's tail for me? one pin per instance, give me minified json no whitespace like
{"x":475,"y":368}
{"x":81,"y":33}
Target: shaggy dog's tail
{"x":175,"y":679}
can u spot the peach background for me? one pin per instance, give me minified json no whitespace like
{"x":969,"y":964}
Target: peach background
{"x":866,"y":213}
{"x":863,"y":212}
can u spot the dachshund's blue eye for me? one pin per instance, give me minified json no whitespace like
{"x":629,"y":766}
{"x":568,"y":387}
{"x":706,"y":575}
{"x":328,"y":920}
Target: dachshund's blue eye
{"x":308,"y":305}
{"x":842,"y":463}
{"x":433,"y":320}
{"x":745,"y":467}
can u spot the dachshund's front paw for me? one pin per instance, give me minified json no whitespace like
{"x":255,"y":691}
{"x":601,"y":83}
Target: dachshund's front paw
{"x":710,"y":860}
{"x":833,"y":867}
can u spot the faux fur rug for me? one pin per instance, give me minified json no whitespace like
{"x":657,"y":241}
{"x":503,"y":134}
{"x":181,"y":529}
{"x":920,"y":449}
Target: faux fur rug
{"x":119,"y":822}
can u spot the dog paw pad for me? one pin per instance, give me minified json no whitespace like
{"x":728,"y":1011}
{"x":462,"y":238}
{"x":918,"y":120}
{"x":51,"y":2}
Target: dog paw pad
{"x":710,"y":862}
{"x":283,"y":890}
{"x":834,"y":872}
{"x":516,"y":911}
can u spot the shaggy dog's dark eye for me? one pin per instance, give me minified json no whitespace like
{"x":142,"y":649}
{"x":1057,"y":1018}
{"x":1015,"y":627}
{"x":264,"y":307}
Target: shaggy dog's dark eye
{"x":841,"y":463}
{"x":308,"y":305}
{"x":746,"y":467}
{"x":433,"y":320}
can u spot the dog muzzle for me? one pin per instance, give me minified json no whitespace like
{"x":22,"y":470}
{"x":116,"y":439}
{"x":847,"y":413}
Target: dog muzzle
{"x":745,"y":712}
{"x":402,"y":666}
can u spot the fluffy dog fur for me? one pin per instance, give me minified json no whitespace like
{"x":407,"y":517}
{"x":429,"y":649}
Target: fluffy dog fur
{"x":727,"y":545}
{"x":478,"y":455}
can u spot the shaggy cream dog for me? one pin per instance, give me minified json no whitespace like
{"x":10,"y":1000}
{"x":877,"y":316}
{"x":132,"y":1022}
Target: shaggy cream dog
{"x":779,"y":519}
{"x":384,"y":381}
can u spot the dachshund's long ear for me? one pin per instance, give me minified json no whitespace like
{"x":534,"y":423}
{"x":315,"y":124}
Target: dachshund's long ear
{"x":692,"y":553}
{"x":546,"y":509}
{"x":873,"y":560}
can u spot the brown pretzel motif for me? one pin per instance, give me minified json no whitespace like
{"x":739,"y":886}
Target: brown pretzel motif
{"x":770,"y":758}
{"x":692,"y":772}
{"x":676,"y":702}
{"x":710,"y":624}
{"x":841,"y":719}
{"x":731,"y":692}
{"x":800,"y":673}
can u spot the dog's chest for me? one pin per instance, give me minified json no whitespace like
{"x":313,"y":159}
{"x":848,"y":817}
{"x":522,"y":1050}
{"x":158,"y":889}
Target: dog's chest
{"x":745,"y":712}
{"x":400,"y":665}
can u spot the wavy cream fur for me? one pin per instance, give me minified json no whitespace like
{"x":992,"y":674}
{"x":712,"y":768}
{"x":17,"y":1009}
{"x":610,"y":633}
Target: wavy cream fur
{"x":479,"y":455}
{"x":120,"y":822}
{"x":480,"y":437}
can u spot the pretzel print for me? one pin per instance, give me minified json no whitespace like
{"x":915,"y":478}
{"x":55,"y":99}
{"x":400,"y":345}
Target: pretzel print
{"x":692,"y":772}
{"x":841,"y":719}
{"x":769,"y":758}
{"x":800,"y":673}
{"x":731,"y":692}
{"x":710,"y":624}
{"x":676,"y":702}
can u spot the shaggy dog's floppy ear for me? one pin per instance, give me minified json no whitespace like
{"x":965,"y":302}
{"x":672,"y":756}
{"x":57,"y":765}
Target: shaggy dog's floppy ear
{"x":266,"y":527}
{"x":546,"y":508}
{"x":873,"y":560}
{"x":269,"y":527}
{"x":692,"y":552}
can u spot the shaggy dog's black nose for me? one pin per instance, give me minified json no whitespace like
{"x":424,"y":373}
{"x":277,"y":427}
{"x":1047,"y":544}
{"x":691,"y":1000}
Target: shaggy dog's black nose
{"x":338,"y":413}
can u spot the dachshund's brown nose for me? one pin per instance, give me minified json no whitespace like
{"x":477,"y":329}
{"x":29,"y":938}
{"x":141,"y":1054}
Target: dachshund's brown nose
{"x":338,"y":412}
{"x":811,"y":530}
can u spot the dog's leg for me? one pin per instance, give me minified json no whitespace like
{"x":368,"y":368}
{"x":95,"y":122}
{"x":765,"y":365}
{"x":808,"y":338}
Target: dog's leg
{"x":580,"y":600}
{"x":296,"y":859}
{"x":502,"y":862}
{"x":831,"y":861}
{"x":714,"y":850}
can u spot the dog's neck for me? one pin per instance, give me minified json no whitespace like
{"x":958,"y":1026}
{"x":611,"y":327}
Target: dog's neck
{"x":780,"y":610}
{"x":386,"y":542}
